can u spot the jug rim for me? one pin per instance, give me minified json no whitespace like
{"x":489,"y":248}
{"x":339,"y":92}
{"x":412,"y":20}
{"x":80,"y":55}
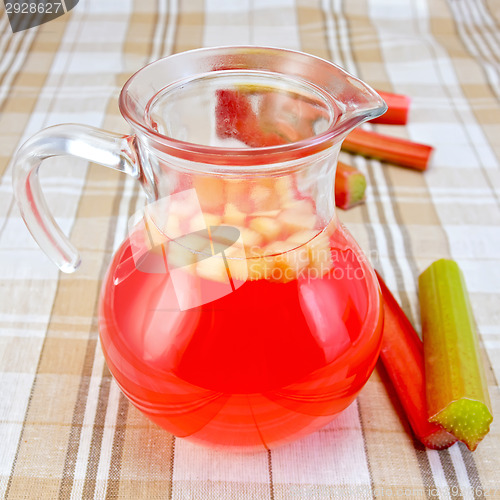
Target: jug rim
{"x":260,"y":158}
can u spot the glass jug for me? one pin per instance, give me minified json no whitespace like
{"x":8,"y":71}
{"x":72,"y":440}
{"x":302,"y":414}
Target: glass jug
{"x":239,"y":311}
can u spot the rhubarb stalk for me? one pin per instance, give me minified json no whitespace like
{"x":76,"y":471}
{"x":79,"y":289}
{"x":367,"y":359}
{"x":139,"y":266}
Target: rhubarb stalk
{"x":386,"y":148}
{"x":350,"y":186}
{"x":398,"y":106}
{"x":403,"y":357}
{"x":457,"y":393}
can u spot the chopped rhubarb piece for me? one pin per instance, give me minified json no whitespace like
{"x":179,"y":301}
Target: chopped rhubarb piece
{"x":298,"y":215}
{"x":403,"y":357}
{"x":233,"y":215}
{"x":319,"y":254}
{"x":252,"y":240}
{"x":386,"y":148}
{"x":398,"y":106}
{"x":210,"y":192}
{"x":457,"y":393}
{"x":285,"y":264}
{"x":350,"y":185}
{"x":269,"y":228}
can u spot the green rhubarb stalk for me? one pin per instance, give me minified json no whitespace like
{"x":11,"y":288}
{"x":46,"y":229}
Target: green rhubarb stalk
{"x":456,"y":389}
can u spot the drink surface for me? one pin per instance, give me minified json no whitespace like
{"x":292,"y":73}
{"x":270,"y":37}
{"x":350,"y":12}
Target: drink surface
{"x":266,"y":364}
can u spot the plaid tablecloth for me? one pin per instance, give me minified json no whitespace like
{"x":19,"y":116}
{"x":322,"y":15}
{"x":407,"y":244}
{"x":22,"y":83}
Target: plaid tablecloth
{"x":66,"y":431}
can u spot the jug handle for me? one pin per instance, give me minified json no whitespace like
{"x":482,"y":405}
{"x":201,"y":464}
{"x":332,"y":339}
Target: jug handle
{"x":81,"y":141}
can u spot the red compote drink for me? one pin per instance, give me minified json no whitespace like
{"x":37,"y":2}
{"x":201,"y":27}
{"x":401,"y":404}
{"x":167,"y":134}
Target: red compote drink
{"x":272,"y":361}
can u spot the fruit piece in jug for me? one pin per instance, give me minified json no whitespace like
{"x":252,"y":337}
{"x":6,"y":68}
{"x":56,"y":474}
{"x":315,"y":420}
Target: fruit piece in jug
{"x":237,"y":264}
{"x":284,"y":188}
{"x":212,"y":219}
{"x":238,"y":194}
{"x":299,"y":215}
{"x":154,"y":235}
{"x":259,"y":266}
{"x":195,"y":223}
{"x":286,"y":265}
{"x":252,"y":240}
{"x":318,"y":251}
{"x":302,"y":237}
{"x":233,"y":215}
{"x":179,"y":257}
{"x":269,"y":228}
{"x":213,"y":269}
{"x":210,"y":193}
{"x":188,"y":249}
{"x":264,"y":198}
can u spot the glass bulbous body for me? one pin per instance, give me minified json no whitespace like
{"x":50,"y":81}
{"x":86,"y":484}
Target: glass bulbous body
{"x":264,"y":365}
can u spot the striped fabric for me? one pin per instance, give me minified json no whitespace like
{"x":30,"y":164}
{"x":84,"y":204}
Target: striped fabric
{"x":66,"y":431}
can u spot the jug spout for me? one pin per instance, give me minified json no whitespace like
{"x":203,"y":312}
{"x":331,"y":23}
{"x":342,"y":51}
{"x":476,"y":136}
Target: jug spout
{"x":357,"y":103}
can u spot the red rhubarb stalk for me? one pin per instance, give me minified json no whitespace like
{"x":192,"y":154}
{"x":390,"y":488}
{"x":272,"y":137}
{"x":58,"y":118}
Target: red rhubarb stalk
{"x":398,"y":106}
{"x":386,"y":148}
{"x":350,"y":185}
{"x":402,"y":354}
